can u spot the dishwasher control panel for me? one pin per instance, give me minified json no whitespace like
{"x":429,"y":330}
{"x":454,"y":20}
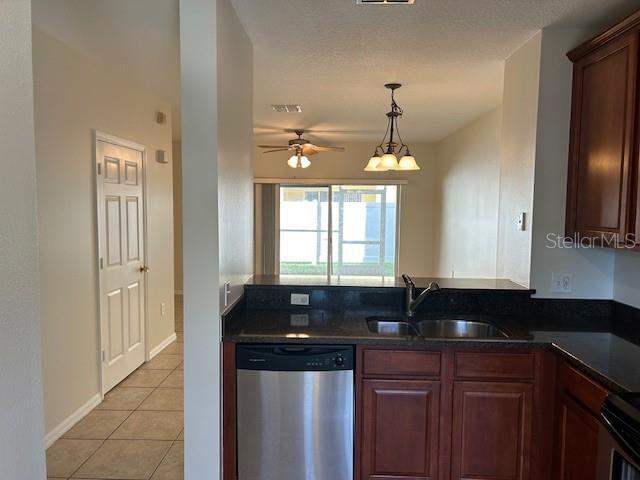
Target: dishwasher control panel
{"x":294,"y":357}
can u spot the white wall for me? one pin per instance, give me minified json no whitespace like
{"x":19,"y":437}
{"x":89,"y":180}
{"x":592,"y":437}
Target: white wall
{"x":72,"y":97}
{"x":418,"y":205}
{"x":177,"y":216}
{"x":21,"y":421}
{"x":468,"y":184}
{"x":517,"y":158}
{"x":215,"y":217}
{"x":235,"y":139}
{"x":592,"y":268}
{"x":626,"y":283}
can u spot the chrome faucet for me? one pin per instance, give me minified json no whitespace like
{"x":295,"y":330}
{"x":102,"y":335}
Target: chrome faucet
{"x":412,"y":302}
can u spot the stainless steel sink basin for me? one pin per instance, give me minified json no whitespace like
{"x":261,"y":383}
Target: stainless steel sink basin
{"x":388,"y":326}
{"x":454,"y":328}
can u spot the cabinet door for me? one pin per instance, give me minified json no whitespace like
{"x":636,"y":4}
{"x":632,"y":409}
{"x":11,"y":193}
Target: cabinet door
{"x":576,"y":442}
{"x":599,"y":197}
{"x":491,"y":430}
{"x":400,"y":429}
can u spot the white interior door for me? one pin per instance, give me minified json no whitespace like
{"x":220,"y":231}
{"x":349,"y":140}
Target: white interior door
{"x":121,"y":250}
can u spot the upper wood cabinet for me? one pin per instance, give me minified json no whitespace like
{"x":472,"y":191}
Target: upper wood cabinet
{"x":602,"y":192}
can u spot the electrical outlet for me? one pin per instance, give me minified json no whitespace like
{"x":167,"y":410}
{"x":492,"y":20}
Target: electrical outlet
{"x":299,"y":299}
{"x":163,"y":309}
{"x":561,"y":282}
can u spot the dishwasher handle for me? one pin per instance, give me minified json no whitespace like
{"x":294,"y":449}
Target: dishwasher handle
{"x":289,"y":357}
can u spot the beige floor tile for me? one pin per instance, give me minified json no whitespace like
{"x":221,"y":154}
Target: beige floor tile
{"x":98,"y":425}
{"x":163,"y":362}
{"x":174,"y":349}
{"x":151,"y":425}
{"x":164,"y":399}
{"x":65,"y":456}
{"x":174,"y":380}
{"x":145,"y":378}
{"x":124,"y":398}
{"x":181,"y":436}
{"x":124,"y":459}
{"x":180,"y":367}
{"x":172,"y":466}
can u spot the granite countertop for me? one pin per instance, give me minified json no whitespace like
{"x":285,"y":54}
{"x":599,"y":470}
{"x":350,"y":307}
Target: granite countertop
{"x":610,"y":358}
{"x":382,"y":282}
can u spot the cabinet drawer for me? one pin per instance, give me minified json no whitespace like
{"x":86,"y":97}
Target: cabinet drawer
{"x":494,"y":365}
{"x":401,"y":362}
{"x":582,"y":388}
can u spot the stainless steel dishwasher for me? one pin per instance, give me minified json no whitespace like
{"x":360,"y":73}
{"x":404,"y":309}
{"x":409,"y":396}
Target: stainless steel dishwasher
{"x":295,"y":412}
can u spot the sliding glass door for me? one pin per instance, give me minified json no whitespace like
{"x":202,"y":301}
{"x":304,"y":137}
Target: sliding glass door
{"x":363,"y":230}
{"x":304,"y":230}
{"x":363,"y":224}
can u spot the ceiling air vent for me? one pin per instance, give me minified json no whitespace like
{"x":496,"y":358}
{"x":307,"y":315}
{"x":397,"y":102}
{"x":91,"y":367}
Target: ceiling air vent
{"x":385,"y":2}
{"x":282,"y":108}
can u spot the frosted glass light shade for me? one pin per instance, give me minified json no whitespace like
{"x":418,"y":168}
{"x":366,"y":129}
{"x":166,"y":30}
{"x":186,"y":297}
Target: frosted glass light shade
{"x":373,"y":165}
{"x":304,"y":162}
{"x":293,"y":161}
{"x":388,"y":162}
{"x":408,"y":162}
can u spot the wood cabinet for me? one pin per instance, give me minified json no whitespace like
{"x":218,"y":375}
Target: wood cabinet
{"x":446,"y":414}
{"x":400,"y":429}
{"x":602,"y":190}
{"x":578,"y":405}
{"x":492,"y":425}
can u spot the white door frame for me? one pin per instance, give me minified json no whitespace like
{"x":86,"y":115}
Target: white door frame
{"x":121,"y":142}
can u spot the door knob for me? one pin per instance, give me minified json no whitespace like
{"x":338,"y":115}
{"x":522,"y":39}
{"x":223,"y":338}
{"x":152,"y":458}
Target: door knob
{"x":144,"y":269}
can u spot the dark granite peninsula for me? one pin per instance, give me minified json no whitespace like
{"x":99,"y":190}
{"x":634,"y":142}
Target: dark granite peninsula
{"x":535,"y":381}
{"x":595,"y":335}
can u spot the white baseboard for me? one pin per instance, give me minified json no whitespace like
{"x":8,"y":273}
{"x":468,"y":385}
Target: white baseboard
{"x":64,"y":426}
{"x":166,"y":342}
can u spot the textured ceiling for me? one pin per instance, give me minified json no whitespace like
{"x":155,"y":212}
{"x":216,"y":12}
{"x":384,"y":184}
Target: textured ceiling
{"x":333,"y":57}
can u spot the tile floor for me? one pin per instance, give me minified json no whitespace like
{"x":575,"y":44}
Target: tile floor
{"x":136,"y":433}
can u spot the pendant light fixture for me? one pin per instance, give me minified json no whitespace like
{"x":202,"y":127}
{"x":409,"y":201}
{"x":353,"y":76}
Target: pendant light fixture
{"x":385,"y":156}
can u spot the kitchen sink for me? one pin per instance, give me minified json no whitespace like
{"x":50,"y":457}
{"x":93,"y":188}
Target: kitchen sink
{"x":390,"y":326}
{"x":455,"y":328}
{"x":434,"y":328}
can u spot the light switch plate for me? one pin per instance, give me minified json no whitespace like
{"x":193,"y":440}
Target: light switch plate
{"x":561,"y":282}
{"x":299,"y":299}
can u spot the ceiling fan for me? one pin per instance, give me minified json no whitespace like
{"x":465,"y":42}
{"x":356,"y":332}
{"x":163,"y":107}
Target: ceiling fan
{"x":301,"y":148}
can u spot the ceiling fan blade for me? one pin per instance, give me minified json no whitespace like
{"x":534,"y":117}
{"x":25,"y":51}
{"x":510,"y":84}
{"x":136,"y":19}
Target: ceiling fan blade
{"x":277,"y":150}
{"x":273,"y":146}
{"x":320,"y":148}
{"x":309,"y":151}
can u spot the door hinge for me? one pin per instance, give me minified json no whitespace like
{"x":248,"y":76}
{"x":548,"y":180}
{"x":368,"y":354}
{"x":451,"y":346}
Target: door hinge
{"x":99,"y":169}
{"x":101,"y":264}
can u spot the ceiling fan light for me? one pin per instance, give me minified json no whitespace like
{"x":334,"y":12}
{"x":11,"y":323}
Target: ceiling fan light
{"x":304,"y":162}
{"x":293,"y":161}
{"x":388,"y":162}
{"x":374,"y":164}
{"x":408,"y":162}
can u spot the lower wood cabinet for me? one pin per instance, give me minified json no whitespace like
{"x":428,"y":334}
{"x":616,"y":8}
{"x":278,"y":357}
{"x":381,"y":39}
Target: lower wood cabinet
{"x":446,"y":415}
{"x":492,"y":426}
{"x":577,"y":445}
{"x":400,"y":426}
{"x":578,"y":403}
